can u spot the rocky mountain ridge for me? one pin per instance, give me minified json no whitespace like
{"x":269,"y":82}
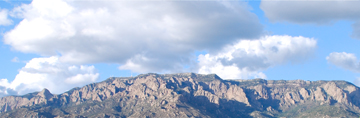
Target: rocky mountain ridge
{"x":191,"y":95}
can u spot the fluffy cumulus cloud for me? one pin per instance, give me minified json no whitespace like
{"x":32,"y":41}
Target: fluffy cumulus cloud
{"x":142,"y":36}
{"x":4,"y":20}
{"x":344,"y":60}
{"x":50,"y":73}
{"x":247,"y":58}
{"x":314,"y":11}
{"x":4,"y":90}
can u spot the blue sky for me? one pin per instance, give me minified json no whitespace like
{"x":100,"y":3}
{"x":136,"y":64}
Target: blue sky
{"x":63,"y":44}
{"x":333,"y":37}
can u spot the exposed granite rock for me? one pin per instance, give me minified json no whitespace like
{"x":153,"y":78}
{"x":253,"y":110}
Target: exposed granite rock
{"x":190,"y":95}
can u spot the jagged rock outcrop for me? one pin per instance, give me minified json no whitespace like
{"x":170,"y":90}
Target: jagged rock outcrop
{"x":190,"y":95}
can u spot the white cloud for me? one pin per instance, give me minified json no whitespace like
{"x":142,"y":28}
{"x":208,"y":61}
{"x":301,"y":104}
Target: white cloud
{"x":15,"y":59}
{"x":212,"y":65}
{"x":356,"y":30}
{"x":313,"y":12}
{"x":344,"y":60}
{"x":50,"y":73}
{"x":156,"y":36}
{"x":4,"y":20}
{"x":4,"y":90}
{"x":247,"y":58}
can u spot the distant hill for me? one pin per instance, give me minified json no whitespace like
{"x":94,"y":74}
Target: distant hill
{"x":190,"y":95}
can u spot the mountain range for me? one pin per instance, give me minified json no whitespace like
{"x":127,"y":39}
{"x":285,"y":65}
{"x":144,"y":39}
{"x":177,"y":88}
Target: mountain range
{"x":190,"y":95}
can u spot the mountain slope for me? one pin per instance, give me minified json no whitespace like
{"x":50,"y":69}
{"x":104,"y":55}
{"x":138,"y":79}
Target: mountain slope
{"x":191,"y":95}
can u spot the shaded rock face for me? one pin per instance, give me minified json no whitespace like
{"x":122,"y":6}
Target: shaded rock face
{"x":190,"y":95}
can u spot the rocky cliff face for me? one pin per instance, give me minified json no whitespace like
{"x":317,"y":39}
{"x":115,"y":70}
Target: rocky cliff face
{"x":191,"y":95}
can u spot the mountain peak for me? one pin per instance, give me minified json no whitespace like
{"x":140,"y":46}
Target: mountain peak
{"x":198,"y":77}
{"x":45,"y":93}
{"x":191,"y":94}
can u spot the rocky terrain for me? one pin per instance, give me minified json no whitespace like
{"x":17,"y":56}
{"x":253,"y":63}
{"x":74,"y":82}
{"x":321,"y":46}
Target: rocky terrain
{"x":190,"y":95}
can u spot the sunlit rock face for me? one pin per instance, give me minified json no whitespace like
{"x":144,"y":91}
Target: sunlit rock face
{"x":191,"y":95}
